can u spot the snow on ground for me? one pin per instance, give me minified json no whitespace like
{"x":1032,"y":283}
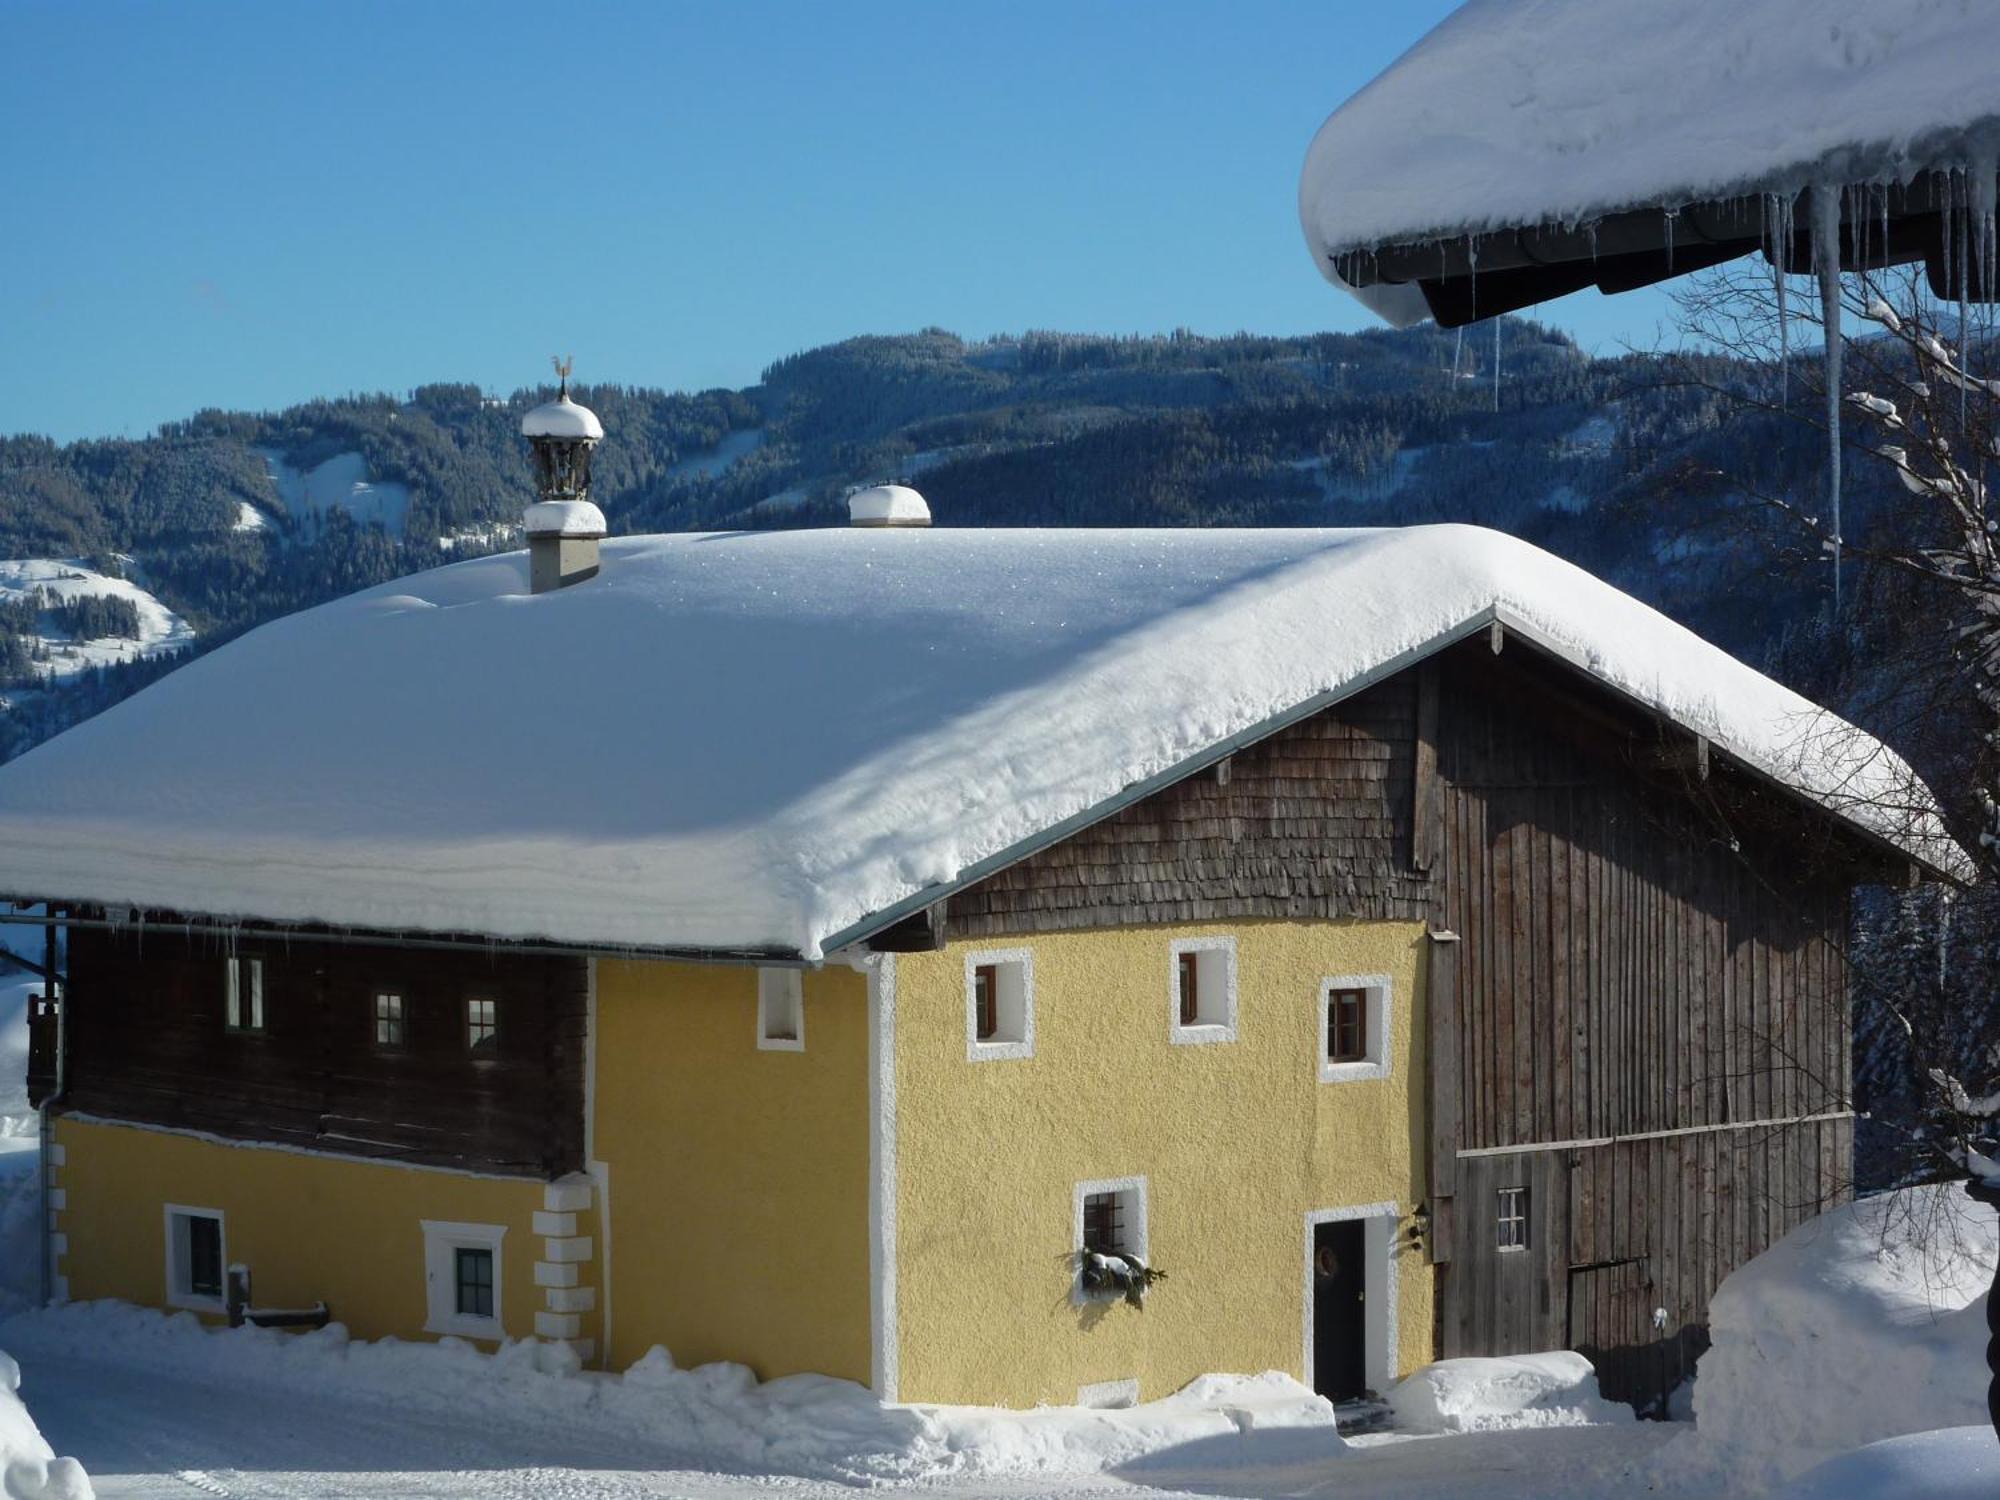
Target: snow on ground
{"x":338,"y":481}
{"x":1865,"y":1323}
{"x":61,"y":580}
{"x":29,"y":1468}
{"x":1518,"y":112}
{"x":1558,"y":1389}
{"x":1959,"y":1463}
{"x":968,"y":690}
{"x":249,"y":518}
{"x":480,"y":538}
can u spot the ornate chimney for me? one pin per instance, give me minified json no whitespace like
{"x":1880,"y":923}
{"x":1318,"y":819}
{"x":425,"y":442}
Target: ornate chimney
{"x":563,"y":527}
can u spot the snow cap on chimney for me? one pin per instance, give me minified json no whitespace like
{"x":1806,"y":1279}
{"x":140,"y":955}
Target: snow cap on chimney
{"x":887,"y":505}
{"x":563,"y":527}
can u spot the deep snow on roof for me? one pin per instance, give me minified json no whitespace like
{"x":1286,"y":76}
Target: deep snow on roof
{"x":757,"y":740}
{"x":1522,"y":112}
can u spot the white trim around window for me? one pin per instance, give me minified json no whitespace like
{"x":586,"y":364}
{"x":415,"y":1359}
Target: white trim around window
{"x":1014,"y":1032}
{"x":179,"y":1260}
{"x":1215,"y":990}
{"x":1136,"y":1239}
{"x":781,"y":1010}
{"x":441,"y":1238}
{"x":1381,"y":997}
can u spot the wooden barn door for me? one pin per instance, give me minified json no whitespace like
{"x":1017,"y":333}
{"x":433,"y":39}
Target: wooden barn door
{"x":1611,"y":1325}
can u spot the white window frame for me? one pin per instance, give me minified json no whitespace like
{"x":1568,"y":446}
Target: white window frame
{"x":492,"y":1037}
{"x":1381,"y":1329}
{"x":1381,"y":997}
{"x":781,"y":988}
{"x":1215,"y":971}
{"x":1138,"y":1238}
{"x":401,"y":1019}
{"x":441,"y":1238}
{"x":1021,"y":963}
{"x":177,"y":1270}
{"x":1525,"y":1219}
{"x":236,"y":968}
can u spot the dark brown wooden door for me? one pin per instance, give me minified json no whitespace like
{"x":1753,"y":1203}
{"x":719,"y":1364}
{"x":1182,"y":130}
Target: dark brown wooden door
{"x":1611,"y":1325}
{"x":1340,"y":1312}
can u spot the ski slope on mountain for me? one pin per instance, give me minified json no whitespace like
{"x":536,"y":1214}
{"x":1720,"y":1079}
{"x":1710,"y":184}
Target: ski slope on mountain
{"x":65,"y":580}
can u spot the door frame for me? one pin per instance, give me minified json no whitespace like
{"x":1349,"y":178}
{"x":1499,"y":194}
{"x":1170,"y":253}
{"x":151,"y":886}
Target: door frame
{"x":1379,"y":1316}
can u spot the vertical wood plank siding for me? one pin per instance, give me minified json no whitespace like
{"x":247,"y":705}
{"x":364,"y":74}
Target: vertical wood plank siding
{"x":147,"y":1044}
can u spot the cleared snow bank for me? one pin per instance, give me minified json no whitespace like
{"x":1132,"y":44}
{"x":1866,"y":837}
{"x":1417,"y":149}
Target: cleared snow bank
{"x":29,"y":1468}
{"x":1959,"y":1463}
{"x":716,"y":1417}
{"x":1865,"y":1323}
{"x":1558,"y":1389}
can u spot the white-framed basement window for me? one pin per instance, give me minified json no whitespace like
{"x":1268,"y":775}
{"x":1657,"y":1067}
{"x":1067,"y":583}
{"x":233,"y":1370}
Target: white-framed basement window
{"x":1201,"y":989}
{"x":781,"y":1010}
{"x":999,"y":1004}
{"x":1354,"y":1027}
{"x":243,"y":994}
{"x":196,"y":1255}
{"x":1109,"y":1218}
{"x":462,"y":1279}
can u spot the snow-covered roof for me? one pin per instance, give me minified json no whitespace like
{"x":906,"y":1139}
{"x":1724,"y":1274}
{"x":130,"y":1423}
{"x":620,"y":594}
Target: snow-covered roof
{"x":563,"y":518}
{"x":561,"y":418}
{"x":888,"y":505}
{"x":1529,"y":112}
{"x":774,"y":740}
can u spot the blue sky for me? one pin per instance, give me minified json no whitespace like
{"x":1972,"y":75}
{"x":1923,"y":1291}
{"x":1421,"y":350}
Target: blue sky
{"x":245,"y":205}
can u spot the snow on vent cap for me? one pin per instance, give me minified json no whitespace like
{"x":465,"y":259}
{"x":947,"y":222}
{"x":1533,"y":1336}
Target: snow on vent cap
{"x":578,"y":518}
{"x":887,"y":505}
{"x":562,"y":418}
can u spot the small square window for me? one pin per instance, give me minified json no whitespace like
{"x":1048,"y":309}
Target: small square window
{"x":194,"y":1258}
{"x":1512,"y":1219}
{"x":1202,"y":985}
{"x":482,"y":1027}
{"x":1354,"y":1012}
{"x":999,"y":1004}
{"x":388,"y":1019}
{"x":781,"y":1010}
{"x":1110,"y":1226}
{"x":473,"y":1280}
{"x":243,"y":994}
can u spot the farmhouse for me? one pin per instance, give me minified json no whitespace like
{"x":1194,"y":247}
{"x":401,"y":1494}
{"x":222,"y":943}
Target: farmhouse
{"x":994,"y":966}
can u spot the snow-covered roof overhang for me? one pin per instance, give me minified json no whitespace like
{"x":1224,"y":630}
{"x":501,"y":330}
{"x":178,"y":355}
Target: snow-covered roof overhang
{"x":775,"y":742}
{"x":1528,"y":148}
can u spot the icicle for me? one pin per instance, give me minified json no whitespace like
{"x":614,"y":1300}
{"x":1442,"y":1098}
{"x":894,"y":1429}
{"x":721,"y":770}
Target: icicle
{"x":1778,"y":213}
{"x":1826,"y":264}
{"x":1457,"y":348}
{"x":1496,"y":364}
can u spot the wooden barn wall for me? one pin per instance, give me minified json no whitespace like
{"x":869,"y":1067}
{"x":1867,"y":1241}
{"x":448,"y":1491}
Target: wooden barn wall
{"x":1313,"y":822}
{"x":147,"y":1043}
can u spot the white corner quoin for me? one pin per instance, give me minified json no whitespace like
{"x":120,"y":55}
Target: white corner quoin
{"x":1381,"y":997}
{"x":1014,"y":1006}
{"x":1215,"y":990}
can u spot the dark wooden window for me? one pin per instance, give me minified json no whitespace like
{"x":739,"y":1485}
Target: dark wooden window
{"x":482,"y":1027}
{"x":473,"y":1274}
{"x":1347,"y":1026}
{"x":243,"y":994}
{"x":388,"y":1019}
{"x":1512,"y":1219}
{"x":204,"y":1255}
{"x":1103,"y":1223}
{"x":1190,"y":976}
{"x":986,"y":1002}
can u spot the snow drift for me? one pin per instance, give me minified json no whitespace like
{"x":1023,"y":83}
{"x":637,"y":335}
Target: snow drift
{"x":1865,"y":1323}
{"x":1558,"y":1389}
{"x":29,"y":1468}
{"x":1525,"y":112}
{"x":762,"y":741}
{"x":1960,"y":1463}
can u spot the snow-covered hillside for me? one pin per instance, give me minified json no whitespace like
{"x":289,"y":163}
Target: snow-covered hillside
{"x":65,"y":580}
{"x":339,"y":482}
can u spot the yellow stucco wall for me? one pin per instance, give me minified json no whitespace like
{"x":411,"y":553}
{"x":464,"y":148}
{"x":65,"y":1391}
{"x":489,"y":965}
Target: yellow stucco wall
{"x":737,"y":1178}
{"x":1238,"y":1141}
{"x":310,"y":1228}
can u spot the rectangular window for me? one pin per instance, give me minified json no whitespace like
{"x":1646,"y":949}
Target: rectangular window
{"x":388,"y":1019}
{"x":1201,"y":986}
{"x":781,"y":1010}
{"x":1110,"y":1229}
{"x":999,"y":1004}
{"x":194,"y":1257}
{"x":1103,"y":1223}
{"x":243,"y":987}
{"x":1512,"y":1219}
{"x":482,"y":1027}
{"x":1347,"y":1026}
{"x":473,"y":1278}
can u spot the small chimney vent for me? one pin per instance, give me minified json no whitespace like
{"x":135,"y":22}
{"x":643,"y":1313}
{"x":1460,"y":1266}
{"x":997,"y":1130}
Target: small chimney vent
{"x":887,"y":505}
{"x":563,"y":527}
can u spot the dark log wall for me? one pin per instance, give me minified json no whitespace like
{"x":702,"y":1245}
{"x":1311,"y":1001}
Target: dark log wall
{"x":1649,"y":987}
{"x":147,"y":1043}
{"x":1312,"y":822}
